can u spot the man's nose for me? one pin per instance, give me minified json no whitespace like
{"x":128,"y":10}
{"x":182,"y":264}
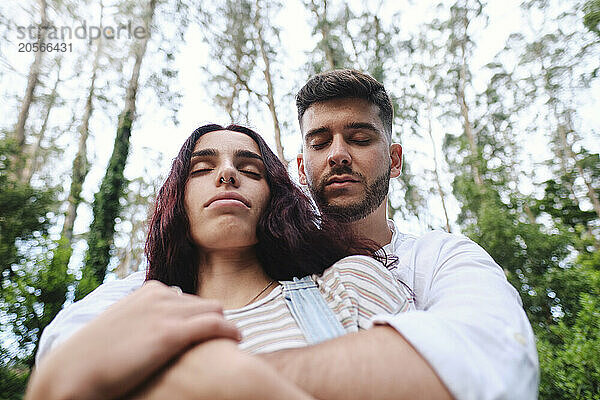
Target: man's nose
{"x":338,"y":153}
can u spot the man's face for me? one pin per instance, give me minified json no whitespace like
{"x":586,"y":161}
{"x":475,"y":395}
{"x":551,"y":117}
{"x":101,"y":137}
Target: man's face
{"x":347,"y":161}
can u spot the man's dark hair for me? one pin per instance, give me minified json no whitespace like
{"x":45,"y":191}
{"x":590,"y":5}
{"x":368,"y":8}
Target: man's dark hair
{"x":346,"y":83}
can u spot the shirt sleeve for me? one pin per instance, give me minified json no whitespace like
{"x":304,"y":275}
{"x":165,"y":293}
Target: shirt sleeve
{"x":74,"y":317}
{"x":367,"y":286}
{"x":469,"y":324}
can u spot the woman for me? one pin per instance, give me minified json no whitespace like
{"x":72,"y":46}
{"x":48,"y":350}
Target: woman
{"x":231,"y":226}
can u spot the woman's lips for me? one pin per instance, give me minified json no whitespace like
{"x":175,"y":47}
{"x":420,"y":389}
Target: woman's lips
{"x":227,"y":203}
{"x":228,"y":198}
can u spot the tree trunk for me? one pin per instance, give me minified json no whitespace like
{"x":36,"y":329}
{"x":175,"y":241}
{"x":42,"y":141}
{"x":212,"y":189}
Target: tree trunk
{"x":32,"y":81}
{"x":270,"y":91}
{"x":80,"y":163}
{"x":31,"y":161}
{"x":106,"y":206}
{"x":435,"y":168}
{"x":324,"y":29}
{"x":464,"y":110}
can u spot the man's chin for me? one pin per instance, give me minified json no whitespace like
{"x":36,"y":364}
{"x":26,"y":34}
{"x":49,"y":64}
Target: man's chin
{"x":343,"y":211}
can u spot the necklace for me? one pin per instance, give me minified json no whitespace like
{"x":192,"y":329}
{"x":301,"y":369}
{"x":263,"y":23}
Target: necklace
{"x":258,"y":295}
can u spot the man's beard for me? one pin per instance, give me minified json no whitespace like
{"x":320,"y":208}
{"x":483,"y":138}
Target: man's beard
{"x":374,"y":194}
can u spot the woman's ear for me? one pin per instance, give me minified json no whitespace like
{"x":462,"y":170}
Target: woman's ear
{"x":396,"y":157}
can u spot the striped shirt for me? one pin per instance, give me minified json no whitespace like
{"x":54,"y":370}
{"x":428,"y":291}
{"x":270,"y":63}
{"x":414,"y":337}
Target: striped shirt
{"x":356,"y":288}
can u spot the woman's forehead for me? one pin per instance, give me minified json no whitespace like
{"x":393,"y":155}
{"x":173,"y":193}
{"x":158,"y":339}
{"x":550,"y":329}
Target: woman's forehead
{"x":226,"y":142}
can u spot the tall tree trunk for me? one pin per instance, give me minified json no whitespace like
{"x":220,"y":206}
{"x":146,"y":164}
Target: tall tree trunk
{"x":54,"y":291}
{"x":80,"y":167}
{"x":323,"y":24}
{"x":106,"y":206}
{"x":464,"y":110}
{"x":31,"y":161}
{"x":268,"y":79}
{"x":32,"y":82}
{"x":435,"y":168}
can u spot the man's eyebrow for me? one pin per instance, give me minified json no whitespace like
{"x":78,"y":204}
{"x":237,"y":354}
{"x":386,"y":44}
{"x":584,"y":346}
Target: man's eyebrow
{"x":205,"y":153}
{"x":315,"y":132}
{"x":362,"y":125}
{"x":247,"y":154}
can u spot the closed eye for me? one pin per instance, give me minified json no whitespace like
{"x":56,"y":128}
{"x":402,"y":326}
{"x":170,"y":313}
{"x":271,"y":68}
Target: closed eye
{"x":317,"y":146}
{"x":201,"y":171}
{"x":251,"y":173}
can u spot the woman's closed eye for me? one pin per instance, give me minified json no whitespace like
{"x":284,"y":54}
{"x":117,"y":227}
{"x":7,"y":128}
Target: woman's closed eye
{"x":201,"y":171}
{"x":252,"y":174}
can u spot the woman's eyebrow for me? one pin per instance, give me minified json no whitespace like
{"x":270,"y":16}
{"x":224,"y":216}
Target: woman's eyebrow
{"x":247,"y":154}
{"x":205,"y":153}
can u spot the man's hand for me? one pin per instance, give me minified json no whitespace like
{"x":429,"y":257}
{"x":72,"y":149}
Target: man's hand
{"x":215,"y":370}
{"x":127,"y":343}
{"x":374,"y":364}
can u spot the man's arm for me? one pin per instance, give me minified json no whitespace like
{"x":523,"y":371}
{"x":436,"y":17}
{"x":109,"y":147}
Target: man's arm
{"x":373,"y":364}
{"x":469,"y":331}
{"x":215,"y":370}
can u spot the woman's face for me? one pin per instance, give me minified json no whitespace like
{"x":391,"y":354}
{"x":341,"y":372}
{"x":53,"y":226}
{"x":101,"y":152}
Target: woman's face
{"x":226,"y":191}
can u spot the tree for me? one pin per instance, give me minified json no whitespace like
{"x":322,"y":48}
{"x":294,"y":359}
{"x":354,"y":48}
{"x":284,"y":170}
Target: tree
{"x":591,"y":19}
{"x":18,"y":223}
{"x":107,"y":201}
{"x":234,"y":45}
{"x":267,"y":54}
{"x":569,"y":357}
{"x":32,"y":82}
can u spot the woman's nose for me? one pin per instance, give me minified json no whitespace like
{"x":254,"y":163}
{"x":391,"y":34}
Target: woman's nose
{"x":227,"y":176}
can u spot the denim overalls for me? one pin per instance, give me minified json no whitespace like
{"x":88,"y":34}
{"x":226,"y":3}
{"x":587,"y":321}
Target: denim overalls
{"x":314,"y":317}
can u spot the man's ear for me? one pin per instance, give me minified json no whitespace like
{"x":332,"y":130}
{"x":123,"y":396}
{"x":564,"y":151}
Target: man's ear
{"x":396,"y":156}
{"x":301,"y":173}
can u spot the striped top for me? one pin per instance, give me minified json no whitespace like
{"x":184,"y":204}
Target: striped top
{"x":356,"y":288}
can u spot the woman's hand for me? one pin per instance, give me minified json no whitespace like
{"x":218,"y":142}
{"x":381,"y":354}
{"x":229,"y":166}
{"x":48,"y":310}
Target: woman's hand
{"x":127,"y":343}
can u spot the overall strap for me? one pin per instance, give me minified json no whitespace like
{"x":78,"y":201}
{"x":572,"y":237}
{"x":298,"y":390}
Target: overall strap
{"x":314,"y":317}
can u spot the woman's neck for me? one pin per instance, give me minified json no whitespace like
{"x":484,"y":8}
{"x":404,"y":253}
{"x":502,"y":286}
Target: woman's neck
{"x":232,"y":276}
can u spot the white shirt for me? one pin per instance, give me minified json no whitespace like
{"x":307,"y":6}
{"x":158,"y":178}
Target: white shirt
{"x":469,"y":323}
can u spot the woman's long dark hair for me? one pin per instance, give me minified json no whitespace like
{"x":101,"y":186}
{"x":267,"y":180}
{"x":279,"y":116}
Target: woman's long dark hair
{"x":294,"y":240}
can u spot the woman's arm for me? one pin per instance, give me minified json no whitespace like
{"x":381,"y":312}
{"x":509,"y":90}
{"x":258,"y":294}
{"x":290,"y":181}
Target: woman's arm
{"x":128,"y":343}
{"x":215,"y":370}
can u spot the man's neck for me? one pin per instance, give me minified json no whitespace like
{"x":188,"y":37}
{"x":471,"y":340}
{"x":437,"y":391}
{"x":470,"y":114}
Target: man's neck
{"x":374,"y":226}
{"x":232,"y":276}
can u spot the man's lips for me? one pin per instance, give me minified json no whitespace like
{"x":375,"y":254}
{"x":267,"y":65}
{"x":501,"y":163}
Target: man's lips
{"x":228,"y":196}
{"x":339,"y":180}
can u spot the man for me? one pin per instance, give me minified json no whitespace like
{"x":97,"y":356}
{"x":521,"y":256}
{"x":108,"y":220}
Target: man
{"x":468,"y":339}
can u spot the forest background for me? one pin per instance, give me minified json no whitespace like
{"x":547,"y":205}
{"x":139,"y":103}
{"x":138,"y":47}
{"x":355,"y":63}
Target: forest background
{"x":496,"y":105}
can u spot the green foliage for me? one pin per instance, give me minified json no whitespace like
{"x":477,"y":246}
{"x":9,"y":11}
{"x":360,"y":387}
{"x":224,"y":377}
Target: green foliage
{"x":105,"y":210}
{"x":569,"y":353}
{"x":591,"y":19}
{"x":32,"y":290}
{"x":13,"y":379}
{"x":24,"y":210}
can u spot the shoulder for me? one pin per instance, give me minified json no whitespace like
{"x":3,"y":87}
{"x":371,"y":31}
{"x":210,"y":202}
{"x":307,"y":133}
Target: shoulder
{"x":435,"y":247}
{"x":359,"y":265}
{"x":362,"y":274}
